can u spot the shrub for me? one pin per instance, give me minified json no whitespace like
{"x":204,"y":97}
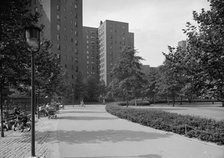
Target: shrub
{"x":191,"y":126}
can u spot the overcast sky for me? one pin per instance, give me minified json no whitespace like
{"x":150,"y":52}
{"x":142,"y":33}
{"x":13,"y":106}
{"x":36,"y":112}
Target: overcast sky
{"x":155,"y":23}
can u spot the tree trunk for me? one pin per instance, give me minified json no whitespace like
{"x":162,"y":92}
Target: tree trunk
{"x":167,"y":100}
{"x":181,"y":99}
{"x":1,"y":102}
{"x":127,"y":103}
{"x":222,"y":96}
{"x":173,"y":100}
{"x":154,"y":100}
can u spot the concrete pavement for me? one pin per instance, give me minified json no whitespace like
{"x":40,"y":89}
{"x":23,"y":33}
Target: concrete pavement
{"x":93,"y":133}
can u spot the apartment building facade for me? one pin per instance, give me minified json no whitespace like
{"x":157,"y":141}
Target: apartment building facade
{"x":62,"y":20}
{"x":113,"y":37}
{"x":90,"y":59}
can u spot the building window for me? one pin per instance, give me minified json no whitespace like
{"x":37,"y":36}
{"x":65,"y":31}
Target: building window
{"x":58,"y":27}
{"x":58,"y":37}
{"x":58,"y":56}
{"x":58,"y":7}
{"x":77,"y":69}
{"x":76,"y":24}
{"x":58,"y":47}
{"x":76,"y":42}
{"x":36,"y":9}
{"x":58,"y":17}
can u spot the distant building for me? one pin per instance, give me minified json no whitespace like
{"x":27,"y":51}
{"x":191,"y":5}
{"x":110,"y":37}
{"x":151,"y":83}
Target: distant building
{"x":90,"y":59}
{"x":62,"y":20}
{"x":113,"y":37}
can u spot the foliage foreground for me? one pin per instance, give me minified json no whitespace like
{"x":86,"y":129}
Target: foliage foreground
{"x":190,"y":126}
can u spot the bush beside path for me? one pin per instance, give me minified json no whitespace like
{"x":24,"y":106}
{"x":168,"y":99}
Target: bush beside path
{"x":190,"y":126}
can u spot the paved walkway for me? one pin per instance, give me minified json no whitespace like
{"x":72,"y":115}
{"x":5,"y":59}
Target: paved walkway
{"x":92,"y":133}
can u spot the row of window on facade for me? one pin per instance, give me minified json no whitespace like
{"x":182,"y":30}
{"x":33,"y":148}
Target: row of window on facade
{"x":71,"y":39}
{"x":90,"y":67}
{"x":88,"y":62}
{"x":73,"y":3}
{"x":76,"y":68}
{"x":117,"y":26}
{"x":65,"y":29}
{"x":92,"y":37}
{"x":92,"y":47}
{"x":92,"y":42}
{"x":93,"y":73}
{"x":73,"y":50}
{"x":92,"y":56}
{"x":120,"y":37}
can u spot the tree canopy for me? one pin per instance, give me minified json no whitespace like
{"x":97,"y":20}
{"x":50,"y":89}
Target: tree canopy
{"x":128,"y":78}
{"x":15,"y":57}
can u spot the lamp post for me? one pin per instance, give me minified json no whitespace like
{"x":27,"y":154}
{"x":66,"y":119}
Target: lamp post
{"x":32,"y":35}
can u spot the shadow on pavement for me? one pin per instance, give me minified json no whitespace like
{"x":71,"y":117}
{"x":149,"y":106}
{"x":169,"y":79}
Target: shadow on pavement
{"x":80,"y":112}
{"x":79,"y":137}
{"x":139,"y":156}
{"x":82,"y":118}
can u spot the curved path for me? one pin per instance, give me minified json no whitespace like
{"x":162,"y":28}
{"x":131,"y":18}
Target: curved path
{"x":93,"y":133}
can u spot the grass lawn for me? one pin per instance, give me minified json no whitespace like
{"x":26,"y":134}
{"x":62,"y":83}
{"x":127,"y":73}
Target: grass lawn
{"x":204,"y":110}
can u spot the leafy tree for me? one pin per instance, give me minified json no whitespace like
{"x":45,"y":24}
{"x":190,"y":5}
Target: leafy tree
{"x":151,"y":88}
{"x":79,"y":87}
{"x":174,"y":78}
{"x":102,"y":91}
{"x":48,"y":71}
{"x":207,"y":46}
{"x":128,"y":78}
{"x":15,"y":57}
{"x":13,"y":50}
{"x":92,"y":89}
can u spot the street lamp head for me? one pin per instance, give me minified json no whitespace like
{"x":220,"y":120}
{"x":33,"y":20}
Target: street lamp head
{"x":32,"y":35}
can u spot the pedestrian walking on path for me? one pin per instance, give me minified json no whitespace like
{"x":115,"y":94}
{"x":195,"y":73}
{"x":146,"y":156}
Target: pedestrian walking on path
{"x":82,"y":104}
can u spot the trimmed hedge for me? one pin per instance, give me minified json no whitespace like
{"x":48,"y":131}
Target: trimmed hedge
{"x":190,"y":126}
